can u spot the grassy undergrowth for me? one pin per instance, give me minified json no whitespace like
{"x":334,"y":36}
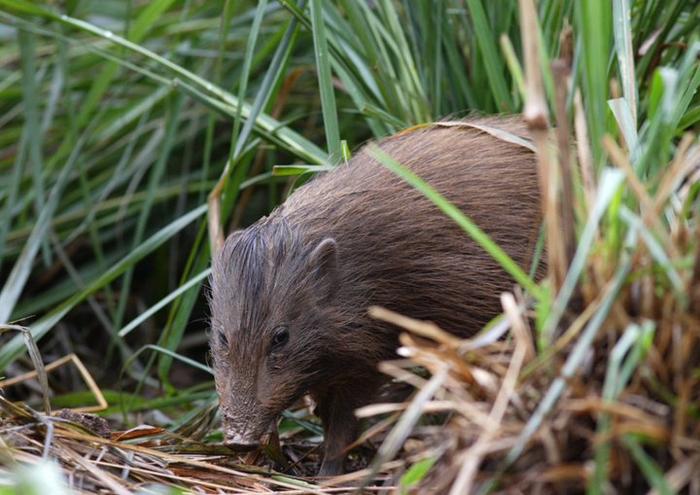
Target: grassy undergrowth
{"x":118,"y":118}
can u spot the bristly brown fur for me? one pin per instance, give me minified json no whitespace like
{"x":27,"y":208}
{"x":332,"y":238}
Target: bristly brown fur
{"x":392,"y":247}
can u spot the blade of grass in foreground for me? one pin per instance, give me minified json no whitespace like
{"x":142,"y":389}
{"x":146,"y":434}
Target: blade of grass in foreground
{"x":270,"y":82}
{"x":493,"y":249}
{"x":609,"y":185}
{"x":572,"y":364}
{"x":172,"y":354}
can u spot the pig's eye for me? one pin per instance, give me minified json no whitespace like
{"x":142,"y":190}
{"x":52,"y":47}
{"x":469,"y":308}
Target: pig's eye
{"x":279,"y":338}
{"x":223,"y":338}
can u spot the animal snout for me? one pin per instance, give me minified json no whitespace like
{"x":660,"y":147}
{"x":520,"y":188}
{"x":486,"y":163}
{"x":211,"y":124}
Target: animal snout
{"x":239,"y":436}
{"x":239,"y":442}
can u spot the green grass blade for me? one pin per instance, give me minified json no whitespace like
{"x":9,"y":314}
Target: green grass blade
{"x":638,"y":339}
{"x":152,"y":188}
{"x":516,"y":71}
{"x":172,"y":355}
{"x":646,"y":464}
{"x":14,"y":348}
{"x":607,"y":189}
{"x":11,"y":192}
{"x":325,"y":83}
{"x":205,"y":91}
{"x":493,"y":64}
{"x":626,"y":123}
{"x":179,"y":317}
{"x":236,"y":142}
{"x":622,"y":30}
{"x":19,"y":275}
{"x":269,"y":82}
{"x":163,"y":302}
{"x":593,"y":25}
{"x":30,"y":97}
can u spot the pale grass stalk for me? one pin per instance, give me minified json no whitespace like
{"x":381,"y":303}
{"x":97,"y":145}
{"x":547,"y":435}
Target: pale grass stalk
{"x":681,"y":166}
{"x":537,"y":117}
{"x":109,"y":480}
{"x":519,"y":327}
{"x":583,"y":148}
{"x":389,"y":407}
{"x":398,"y":435}
{"x":471,"y":458}
{"x":567,"y":338}
{"x":420,"y":328}
{"x":681,"y":474}
{"x":536,"y":104}
{"x":35,"y":356}
{"x":567,"y":202}
{"x":216,"y":229}
{"x":84,"y":373}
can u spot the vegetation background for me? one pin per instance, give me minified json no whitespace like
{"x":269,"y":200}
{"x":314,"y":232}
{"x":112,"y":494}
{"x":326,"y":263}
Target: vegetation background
{"x":118,"y":118}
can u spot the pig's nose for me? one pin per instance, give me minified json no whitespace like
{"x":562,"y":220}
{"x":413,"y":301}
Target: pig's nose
{"x":240,"y":443}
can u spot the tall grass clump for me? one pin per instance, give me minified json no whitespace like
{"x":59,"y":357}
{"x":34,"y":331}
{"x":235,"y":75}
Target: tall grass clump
{"x":122,"y":124}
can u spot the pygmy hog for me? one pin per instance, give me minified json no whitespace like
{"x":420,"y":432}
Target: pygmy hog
{"x":289,"y":294}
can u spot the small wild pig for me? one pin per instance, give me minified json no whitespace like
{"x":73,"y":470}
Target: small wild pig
{"x":289,"y":294}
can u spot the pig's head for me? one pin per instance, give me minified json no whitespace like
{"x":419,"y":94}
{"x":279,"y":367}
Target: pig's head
{"x":271,"y":304}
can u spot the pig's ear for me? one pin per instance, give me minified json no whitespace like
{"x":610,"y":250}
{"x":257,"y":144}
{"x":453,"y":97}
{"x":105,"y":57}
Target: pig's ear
{"x":323,"y":264}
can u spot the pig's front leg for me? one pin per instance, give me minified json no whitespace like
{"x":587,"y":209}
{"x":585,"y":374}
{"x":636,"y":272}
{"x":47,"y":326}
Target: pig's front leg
{"x":336,"y":408}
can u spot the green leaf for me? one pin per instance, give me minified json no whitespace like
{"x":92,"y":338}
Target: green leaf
{"x":416,"y":473}
{"x":293,"y":170}
{"x":652,"y":472}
